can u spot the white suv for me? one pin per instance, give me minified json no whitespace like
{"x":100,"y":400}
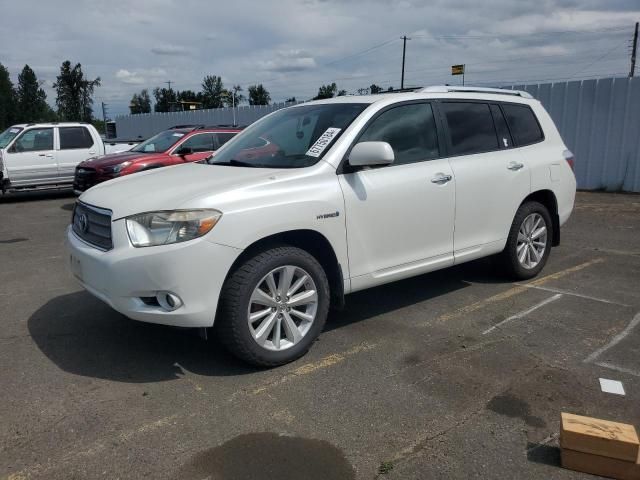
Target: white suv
{"x":322,"y":199}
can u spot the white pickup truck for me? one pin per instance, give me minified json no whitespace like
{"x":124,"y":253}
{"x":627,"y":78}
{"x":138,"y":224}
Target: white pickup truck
{"x":45,"y":155}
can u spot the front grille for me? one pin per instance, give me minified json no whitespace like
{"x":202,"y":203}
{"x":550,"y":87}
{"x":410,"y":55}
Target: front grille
{"x":93,"y":225}
{"x":84,"y":179}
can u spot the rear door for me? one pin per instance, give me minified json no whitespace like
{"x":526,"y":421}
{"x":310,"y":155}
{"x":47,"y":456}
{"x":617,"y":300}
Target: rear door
{"x":399,"y":217}
{"x":30,"y":160}
{"x":201,"y":145}
{"x":75,"y":145}
{"x":491,"y":176}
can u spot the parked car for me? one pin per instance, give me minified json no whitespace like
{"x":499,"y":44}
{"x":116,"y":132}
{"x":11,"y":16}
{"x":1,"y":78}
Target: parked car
{"x":45,"y":155}
{"x":171,"y":147}
{"x":361,"y":191}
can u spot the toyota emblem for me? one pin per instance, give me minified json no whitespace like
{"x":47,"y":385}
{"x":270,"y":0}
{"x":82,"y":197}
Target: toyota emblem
{"x":83,"y":223}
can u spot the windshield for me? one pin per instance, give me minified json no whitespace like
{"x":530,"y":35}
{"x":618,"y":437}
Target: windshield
{"x":290,"y":138}
{"x":8,"y":135}
{"x":161,"y":142}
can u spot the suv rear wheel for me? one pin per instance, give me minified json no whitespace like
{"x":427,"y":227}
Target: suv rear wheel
{"x":529,"y":242}
{"x":273,"y":306}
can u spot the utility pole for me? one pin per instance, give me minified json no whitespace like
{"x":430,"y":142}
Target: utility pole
{"x":169,"y":83}
{"x":634,"y":49}
{"x":404,"y":50}
{"x":104,"y":118}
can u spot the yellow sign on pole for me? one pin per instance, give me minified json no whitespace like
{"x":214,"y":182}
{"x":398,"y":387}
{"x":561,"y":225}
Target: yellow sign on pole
{"x":457,"y":69}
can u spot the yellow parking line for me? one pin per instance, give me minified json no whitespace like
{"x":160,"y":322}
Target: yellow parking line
{"x":513,"y":291}
{"x":325,"y":362}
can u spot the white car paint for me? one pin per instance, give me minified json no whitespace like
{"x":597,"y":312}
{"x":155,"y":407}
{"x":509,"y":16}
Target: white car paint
{"x":49,"y":167}
{"x":390,"y":223}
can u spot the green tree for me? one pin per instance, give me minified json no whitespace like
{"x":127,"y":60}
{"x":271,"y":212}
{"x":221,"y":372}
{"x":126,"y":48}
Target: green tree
{"x":31,"y":99}
{"x":140,"y":102}
{"x":290,"y":100}
{"x":7,"y":99}
{"x":233,"y":97}
{"x":165,"y":99}
{"x":326,"y":91}
{"x":213,"y":92}
{"x":258,"y":95}
{"x":375,"y":89}
{"x":74,"y":93}
{"x":341,"y":93}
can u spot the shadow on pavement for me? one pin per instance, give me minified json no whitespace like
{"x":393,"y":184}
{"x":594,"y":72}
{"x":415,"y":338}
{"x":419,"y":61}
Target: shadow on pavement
{"x":84,"y":336}
{"x":19,"y":197}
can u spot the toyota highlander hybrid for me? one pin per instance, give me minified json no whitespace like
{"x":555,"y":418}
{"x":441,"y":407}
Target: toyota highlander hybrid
{"x":353,"y":192}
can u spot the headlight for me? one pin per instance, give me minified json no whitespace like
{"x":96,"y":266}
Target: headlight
{"x":162,"y":228}
{"x":116,"y":168}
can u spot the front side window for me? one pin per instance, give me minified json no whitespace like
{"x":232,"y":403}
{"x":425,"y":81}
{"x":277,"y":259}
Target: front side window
{"x":8,"y":135}
{"x":75,"y":137}
{"x":409,"y":129}
{"x":471,"y":128}
{"x":523,"y":124}
{"x":34,"y":140}
{"x":199,"y":143}
{"x":293,"y":137}
{"x":161,"y":142}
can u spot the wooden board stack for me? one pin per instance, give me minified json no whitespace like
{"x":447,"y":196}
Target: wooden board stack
{"x":599,"y":447}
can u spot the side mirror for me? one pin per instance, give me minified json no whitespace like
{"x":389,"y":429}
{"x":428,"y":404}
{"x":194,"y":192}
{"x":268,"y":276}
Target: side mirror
{"x":366,"y":154}
{"x":182,"y":151}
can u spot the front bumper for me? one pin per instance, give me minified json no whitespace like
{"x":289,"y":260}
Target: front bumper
{"x":122,"y":277}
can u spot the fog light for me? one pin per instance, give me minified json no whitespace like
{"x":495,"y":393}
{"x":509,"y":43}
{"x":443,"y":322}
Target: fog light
{"x":168,"y":301}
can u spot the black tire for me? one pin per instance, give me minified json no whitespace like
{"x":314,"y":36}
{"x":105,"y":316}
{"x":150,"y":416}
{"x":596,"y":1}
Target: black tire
{"x":509,"y":255}
{"x":231,"y":325}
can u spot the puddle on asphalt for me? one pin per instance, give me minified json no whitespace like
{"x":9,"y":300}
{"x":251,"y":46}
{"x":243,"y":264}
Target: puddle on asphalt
{"x":269,"y":456}
{"x":511,"y":406}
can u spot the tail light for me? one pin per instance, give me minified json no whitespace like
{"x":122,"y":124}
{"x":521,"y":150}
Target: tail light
{"x":568,"y":156}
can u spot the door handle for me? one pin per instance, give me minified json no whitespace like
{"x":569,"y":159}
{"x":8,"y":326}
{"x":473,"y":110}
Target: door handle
{"x":515,"y":166}
{"x":441,"y":178}
{"x":92,"y":152}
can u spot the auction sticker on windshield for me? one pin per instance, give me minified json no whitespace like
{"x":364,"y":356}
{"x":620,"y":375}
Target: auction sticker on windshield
{"x":322,"y":142}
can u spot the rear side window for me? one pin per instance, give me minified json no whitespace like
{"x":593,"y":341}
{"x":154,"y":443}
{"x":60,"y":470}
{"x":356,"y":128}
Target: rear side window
{"x":75,"y":137}
{"x":224,"y":137}
{"x":523,"y":124}
{"x":501,"y":127}
{"x":471,"y":128}
{"x":409,"y":129}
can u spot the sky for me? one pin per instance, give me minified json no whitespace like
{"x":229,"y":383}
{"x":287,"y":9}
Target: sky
{"x":294,"y":46}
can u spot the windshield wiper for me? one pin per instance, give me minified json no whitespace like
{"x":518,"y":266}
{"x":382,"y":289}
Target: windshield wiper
{"x":234,"y":163}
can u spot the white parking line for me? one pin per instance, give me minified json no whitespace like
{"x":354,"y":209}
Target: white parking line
{"x":615,"y":340}
{"x":574,"y":294}
{"x":524,"y":313}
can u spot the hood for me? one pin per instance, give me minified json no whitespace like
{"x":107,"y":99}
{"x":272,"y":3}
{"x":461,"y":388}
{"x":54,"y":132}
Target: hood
{"x":191,"y":185}
{"x":118,"y":158}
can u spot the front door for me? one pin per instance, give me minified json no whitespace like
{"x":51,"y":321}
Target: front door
{"x":30,"y":160}
{"x":400,"y":217}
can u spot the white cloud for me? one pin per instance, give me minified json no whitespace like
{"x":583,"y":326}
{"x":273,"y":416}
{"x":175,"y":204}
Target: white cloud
{"x":289,"y":61}
{"x":169,"y":50}
{"x":130,"y":78}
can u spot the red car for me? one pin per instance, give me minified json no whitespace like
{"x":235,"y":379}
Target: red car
{"x":171,"y":147}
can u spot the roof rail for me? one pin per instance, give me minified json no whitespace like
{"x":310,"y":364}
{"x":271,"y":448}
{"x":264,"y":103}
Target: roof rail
{"x":453,"y":89}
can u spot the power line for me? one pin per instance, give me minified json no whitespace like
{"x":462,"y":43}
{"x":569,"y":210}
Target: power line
{"x":370,"y":49}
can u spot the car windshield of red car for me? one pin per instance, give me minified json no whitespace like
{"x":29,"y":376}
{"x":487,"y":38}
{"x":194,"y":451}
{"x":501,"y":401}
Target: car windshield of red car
{"x":161,"y":142}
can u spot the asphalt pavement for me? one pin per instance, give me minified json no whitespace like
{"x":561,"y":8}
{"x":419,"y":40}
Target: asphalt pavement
{"x":455,"y":374}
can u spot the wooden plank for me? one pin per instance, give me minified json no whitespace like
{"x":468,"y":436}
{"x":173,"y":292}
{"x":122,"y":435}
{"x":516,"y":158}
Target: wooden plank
{"x":597,"y":465}
{"x":599,"y":437}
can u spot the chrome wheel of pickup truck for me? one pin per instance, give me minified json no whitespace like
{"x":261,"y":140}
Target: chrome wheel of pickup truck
{"x":282,"y":308}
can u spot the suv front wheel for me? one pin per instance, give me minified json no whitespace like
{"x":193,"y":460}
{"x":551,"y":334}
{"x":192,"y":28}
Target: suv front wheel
{"x":273,"y":306}
{"x":529,"y":242}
